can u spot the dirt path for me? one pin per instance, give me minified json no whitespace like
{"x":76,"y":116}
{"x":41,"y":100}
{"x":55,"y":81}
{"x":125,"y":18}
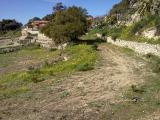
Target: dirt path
{"x":83,"y":95}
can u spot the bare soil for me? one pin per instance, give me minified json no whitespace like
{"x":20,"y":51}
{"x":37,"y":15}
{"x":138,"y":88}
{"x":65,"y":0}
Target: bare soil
{"x":82,"y":96}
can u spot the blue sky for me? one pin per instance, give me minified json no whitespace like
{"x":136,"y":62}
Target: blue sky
{"x":23,"y":10}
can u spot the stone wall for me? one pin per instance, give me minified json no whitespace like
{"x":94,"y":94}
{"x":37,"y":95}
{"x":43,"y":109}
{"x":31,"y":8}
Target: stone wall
{"x":44,"y":41}
{"x":36,"y":37}
{"x":4,"y":41}
{"x":142,"y":48}
{"x":8,"y":49}
{"x":151,"y":33}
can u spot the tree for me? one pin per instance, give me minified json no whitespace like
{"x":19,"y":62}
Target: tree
{"x":9,"y":25}
{"x":58,"y":7}
{"x":67,"y":25}
{"x":48,"y":17}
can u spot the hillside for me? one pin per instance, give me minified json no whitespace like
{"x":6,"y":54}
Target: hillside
{"x":121,"y":86}
{"x":133,"y":10}
{"x":133,"y":20}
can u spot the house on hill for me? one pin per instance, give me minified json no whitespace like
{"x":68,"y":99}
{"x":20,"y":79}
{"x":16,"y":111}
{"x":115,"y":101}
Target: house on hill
{"x":38,"y":24}
{"x":31,"y":34}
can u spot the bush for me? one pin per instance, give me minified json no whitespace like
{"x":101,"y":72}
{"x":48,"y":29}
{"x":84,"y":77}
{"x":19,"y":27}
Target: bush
{"x":95,"y":46}
{"x":136,"y":89}
{"x":84,"y":67}
{"x":155,"y":62}
{"x":36,"y":79}
{"x":115,"y":36}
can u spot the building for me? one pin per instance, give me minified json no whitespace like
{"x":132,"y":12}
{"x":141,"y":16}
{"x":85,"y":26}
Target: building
{"x":38,"y":24}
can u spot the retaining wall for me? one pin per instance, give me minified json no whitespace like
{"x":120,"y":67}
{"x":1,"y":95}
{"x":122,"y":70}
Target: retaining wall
{"x":142,"y":48}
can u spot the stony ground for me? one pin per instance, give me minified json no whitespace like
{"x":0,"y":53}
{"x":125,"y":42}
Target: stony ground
{"x":82,"y":96}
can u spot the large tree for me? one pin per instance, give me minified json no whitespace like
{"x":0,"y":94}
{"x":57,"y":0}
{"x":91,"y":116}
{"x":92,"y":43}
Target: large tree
{"x":67,"y":25}
{"x":9,"y":25}
{"x":59,"y":7}
{"x":48,"y":17}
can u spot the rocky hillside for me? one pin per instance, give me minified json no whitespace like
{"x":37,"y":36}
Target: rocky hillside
{"x":134,"y":10}
{"x":138,"y":18}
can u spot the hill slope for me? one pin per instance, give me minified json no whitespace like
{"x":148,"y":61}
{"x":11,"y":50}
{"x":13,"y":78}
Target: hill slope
{"x":102,"y":93}
{"x":134,"y":10}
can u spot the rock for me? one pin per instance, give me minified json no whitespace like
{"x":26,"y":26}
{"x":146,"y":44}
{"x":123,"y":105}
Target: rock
{"x":136,"y":99}
{"x":99,"y":35}
{"x":151,"y":33}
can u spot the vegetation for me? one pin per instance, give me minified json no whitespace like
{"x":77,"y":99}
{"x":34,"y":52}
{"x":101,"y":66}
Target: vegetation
{"x":59,"y":7}
{"x":120,"y":8}
{"x":33,"y":53}
{"x":48,"y":17}
{"x":129,"y":33}
{"x":132,"y":32}
{"x":82,"y":58}
{"x":12,"y":34}
{"x":147,"y":22}
{"x":67,"y":25}
{"x":91,"y":35}
{"x":9,"y":28}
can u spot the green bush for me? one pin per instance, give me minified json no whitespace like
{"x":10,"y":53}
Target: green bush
{"x":155,"y":62}
{"x":37,"y":79}
{"x":84,"y":67}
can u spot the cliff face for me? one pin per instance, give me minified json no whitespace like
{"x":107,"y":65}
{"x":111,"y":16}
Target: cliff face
{"x":146,"y":6}
{"x":134,"y":10}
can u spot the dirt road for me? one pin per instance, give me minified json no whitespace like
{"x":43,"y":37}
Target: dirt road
{"x":82,"y":96}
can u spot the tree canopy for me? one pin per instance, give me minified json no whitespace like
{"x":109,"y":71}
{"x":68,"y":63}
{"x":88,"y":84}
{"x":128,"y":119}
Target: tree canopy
{"x":48,"y":17}
{"x":9,"y":25}
{"x":59,"y":7}
{"x":67,"y":25}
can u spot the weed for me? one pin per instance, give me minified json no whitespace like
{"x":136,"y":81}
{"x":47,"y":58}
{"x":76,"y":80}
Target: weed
{"x":64,"y":94}
{"x":37,"y":79}
{"x":155,"y":62}
{"x":84,"y":67}
{"x":136,"y":89}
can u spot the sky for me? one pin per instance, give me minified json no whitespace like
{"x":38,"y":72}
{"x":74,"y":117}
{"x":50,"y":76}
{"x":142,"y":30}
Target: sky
{"x":23,"y":10}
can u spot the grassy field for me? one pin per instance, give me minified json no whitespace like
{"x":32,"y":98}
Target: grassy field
{"x":33,"y":53}
{"x":81,"y":58}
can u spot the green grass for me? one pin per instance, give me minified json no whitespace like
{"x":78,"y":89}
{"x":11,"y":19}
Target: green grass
{"x":33,"y":53}
{"x":82,"y":58}
{"x":91,"y":35}
{"x":155,"y":62}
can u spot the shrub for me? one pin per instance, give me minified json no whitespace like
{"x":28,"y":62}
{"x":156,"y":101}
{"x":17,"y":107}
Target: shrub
{"x":136,"y":89}
{"x":84,"y":67}
{"x":95,"y":46}
{"x":155,"y":62}
{"x":36,"y":79}
{"x":114,"y":36}
{"x":64,"y":94}
{"x":30,"y":68}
